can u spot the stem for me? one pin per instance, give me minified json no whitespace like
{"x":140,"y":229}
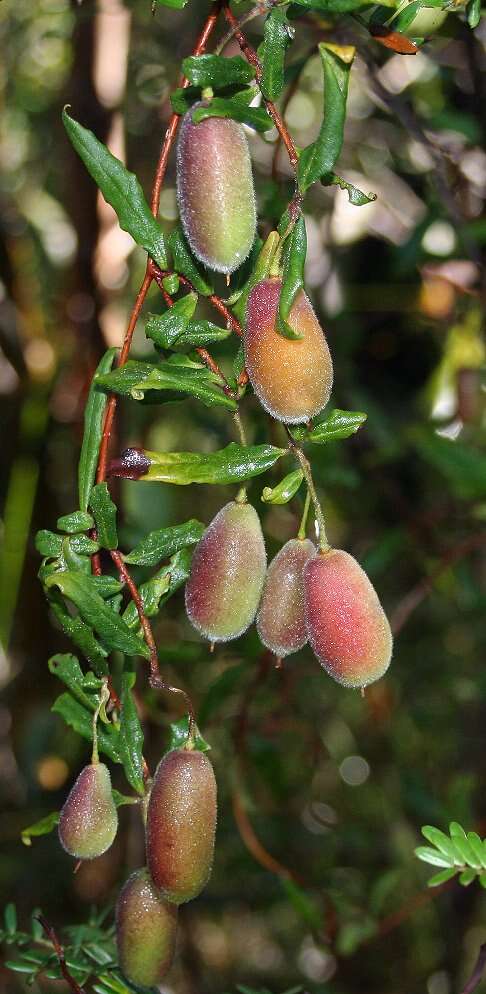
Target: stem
{"x":104,"y":698}
{"x":303,"y":523}
{"x":477,"y":974}
{"x":241,"y":428}
{"x":307,"y":471}
{"x":59,"y":951}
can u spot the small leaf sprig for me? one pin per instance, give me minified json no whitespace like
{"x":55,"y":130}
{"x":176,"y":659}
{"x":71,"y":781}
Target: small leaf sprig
{"x":461,"y":854}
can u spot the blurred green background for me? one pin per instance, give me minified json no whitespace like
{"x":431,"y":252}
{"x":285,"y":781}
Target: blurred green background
{"x":323,"y":792}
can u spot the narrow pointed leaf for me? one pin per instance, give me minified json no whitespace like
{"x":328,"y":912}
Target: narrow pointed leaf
{"x":185,"y":263}
{"x":156,"y":591}
{"x":467,"y":877}
{"x":195,"y":381}
{"x":81,"y":634}
{"x":293,"y":276}
{"x":441,"y":878}
{"x":93,"y":430}
{"x":165,"y":329}
{"x":108,"y":625}
{"x":233,"y":464}
{"x":277,"y":36}
{"x":478,"y":847}
{"x":131,"y":736}
{"x":319,"y":158}
{"x":237,"y":110}
{"x":165,"y":542}
{"x":356,"y":197}
{"x":41,"y":827}
{"x":337,"y":424}
{"x":66,"y":667}
{"x":442,"y":842}
{"x":285,"y":490}
{"x":81,"y":720}
{"x":104,"y":511}
{"x":432,"y":856}
{"x":217,"y":71}
{"x":200,"y":333}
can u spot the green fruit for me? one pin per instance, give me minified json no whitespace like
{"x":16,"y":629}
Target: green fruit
{"x":281,"y":619}
{"x":181,"y":824}
{"x":89,"y":820}
{"x":215,"y":191}
{"x":146,"y":927}
{"x":227,"y":574}
{"x":347,"y":627}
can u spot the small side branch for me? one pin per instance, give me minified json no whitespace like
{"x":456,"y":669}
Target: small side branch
{"x":478,"y":972}
{"x":59,"y":951}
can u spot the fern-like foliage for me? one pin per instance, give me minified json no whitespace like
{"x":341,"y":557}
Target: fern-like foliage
{"x":459,"y":853}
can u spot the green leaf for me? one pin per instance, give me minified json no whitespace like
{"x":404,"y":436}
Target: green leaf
{"x":477,"y":847}
{"x":104,"y":511}
{"x":131,"y":736}
{"x":237,"y":110}
{"x":337,"y":424}
{"x":173,"y":4}
{"x":217,"y":71}
{"x":94,"y":416}
{"x":338,"y":6}
{"x":461,"y":465}
{"x":41,"y":827}
{"x":200,"y":333}
{"x":123,"y":799}
{"x":78,"y":521}
{"x":120,"y":188}
{"x":285,"y":490}
{"x":233,"y":464}
{"x":293,"y":276}
{"x":48,"y":543}
{"x":441,"y":842}
{"x":467,"y":877}
{"x":156,"y":591}
{"x":277,"y":36}
{"x":305,"y":907}
{"x":184,"y":97}
{"x":171,"y":283}
{"x":81,"y":720}
{"x":159,"y":544}
{"x":10,"y":919}
{"x":185,"y":264}
{"x":82,"y":545}
{"x":179,"y":731}
{"x":319,"y":158}
{"x":260,"y":272}
{"x":441,"y":878}
{"x":165,"y":329}
{"x":473,"y":13}
{"x":66,"y":667}
{"x":196,"y":381}
{"x":81,"y":634}
{"x":432,"y":856}
{"x":356,"y":197}
{"x":463,"y":847}
{"x":108,"y":625}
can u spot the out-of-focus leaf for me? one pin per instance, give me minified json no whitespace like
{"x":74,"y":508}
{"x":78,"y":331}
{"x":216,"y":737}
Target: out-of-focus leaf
{"x":277,"y":36}
{"x":293,"y":276}
{"x":131,"y":736}
{"x":10,"y":919}
{"x":233,"y":464}
{"x":473,"y":13}
{"x":319,"y":158}
{"x":173,"y":4}
{"x":156,"y":591}
{"x":41,"y":827}
{"x":222,"y":687}
{"x":432,"y":856}
{"x":462,"y":466}
{"x":159,"y":544}
{"x":93,"y":430}
{"x":165,"y":329}
{"x":285,"y":490}
{"x":441,"y":841}
{"x":338,"y":6}
{"x":356,"y":197}
{"x":302,"y":903}
{"x":77,"y":521}
{"x":217,"y":71}
{"x":120,"y":188}
{"x":179,"y":731}
{"x":238,"y":110}
{"x":441,"y":878}
{"x":81,"y":720}
{"x":185,"y":264}
{"x":104,"y":510}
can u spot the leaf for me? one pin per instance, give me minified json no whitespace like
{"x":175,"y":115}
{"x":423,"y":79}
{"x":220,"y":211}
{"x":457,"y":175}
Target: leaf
{"x":233,"y":464}
{"x":179,"y":732}
{"x":473,"y":13}
{"x":201,"y":333}
{"x":159,"y":544}
{"x":222,"y":687}
{"x":171,"y":283}
{"x":260,"y":272}
{"x":196,"y":381}
{"x":120,"y":189}
{"x":337,"y":424}
{"x":285,"y":490}
{"x":165,"y":329}
{"x":81,"y":634}
{"x":94,"y":416}
{"x":41,"y":827}
{"x":160,"y":587}
{"x":82,"y":545}
{"x":461,"y":844}
{"x":104,"y":511}
{"x":131,"y":736}
{"x":217,"y":71}
{"x":293,"y":277}
{"x":477,"y":847}
{"x":108,"y":625}
{"x":467,"y":877}
{"x":461,"y":465}
{"x":66,"y":667}
{"x":122,"y":799}
{"x":10,"y":919}
{"x":185,"y":264}
{"x":302,"y":903}
{"x":441,"y":878}
{"x":277,"y":36}
{"x":77,"y":521}
{"x":173,"y":4}
{"x":319,"y":158}
{"x":48,"y":543}
{"x":356,"y":197}
{"x":337,"y":6}
{"x":432,"y":856}
{"x":441,"y":842}
{"x":81,"y":720}
{"x":237,"y":110}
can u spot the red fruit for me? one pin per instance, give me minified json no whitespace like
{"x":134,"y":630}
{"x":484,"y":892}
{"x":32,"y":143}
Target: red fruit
{"x":281,"y":617}
{"x":348,"y":629}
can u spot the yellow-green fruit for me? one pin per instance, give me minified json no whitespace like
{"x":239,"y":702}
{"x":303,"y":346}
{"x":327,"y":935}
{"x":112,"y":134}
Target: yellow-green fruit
{"x":347,"y":626}
{"x":426,"y":22}
{"x":146,"y":927}
{"x":181,"y":824}
{"x":281,"y":618}
{"x":89,"y":820}
{"x":215,"y":191}
{"x":292,"y":378}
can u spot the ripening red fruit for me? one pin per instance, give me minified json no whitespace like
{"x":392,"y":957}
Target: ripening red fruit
{"x":348,"y":629}
{"x":89,"y":820}
{"x":227,"y":574}
{"x":281,"y":619}
{"x":292,"y":378}
{"x":146,"y":927}
{"x":215,"y":191}
{"x":181,"y":824}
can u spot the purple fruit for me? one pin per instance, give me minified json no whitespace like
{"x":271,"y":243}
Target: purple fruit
{"x":227,"y":574}
{"x":281,"y":619}
{"x":89,"y":820}
{"x":215,"y":191}
{"x":181,"y":824}
{"x":146,"y":927}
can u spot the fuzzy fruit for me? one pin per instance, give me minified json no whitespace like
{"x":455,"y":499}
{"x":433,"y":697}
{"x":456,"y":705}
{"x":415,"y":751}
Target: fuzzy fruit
{"x":347,"y":627}
{"x":292,"y":378}
{"x":215,"y":191}
{"x":181,"y":824}
{"x":89,"y":820}
{"x":227,"y":574}
{"x":146,"y":928}
{"x":281,"y":618}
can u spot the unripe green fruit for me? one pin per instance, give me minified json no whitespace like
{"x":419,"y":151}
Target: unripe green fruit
{"x":181,"y":824}
{"x":146,"y":927}
{"x":347,"y":627}
{"x":292,"y":378}
{"x":215,"y":191}
{"x":281,"y":618}
{"x":426,"y":22}
{"x":89,"y":820}
{"x":227,"y":574}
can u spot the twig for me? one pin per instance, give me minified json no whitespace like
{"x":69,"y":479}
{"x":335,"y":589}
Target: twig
{"x":231,"y":322}
{"x":256,"y":848}
{"x":59,"y":951}
{"x":477,"y":974}
{"x":307,"y":471}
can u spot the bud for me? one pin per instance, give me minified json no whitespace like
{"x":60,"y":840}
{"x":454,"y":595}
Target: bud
{"x":281,"y":618}
{"x":89,"y":820}
{"x":146,"y":927}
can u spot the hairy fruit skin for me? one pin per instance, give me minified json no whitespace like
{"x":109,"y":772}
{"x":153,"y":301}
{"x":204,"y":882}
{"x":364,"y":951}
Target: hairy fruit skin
{"x":146,"y":927}
{"x":215,"y":191}
{"x":227,"y":574}
{"x":348,"y":629}
{"x":292,"y":378}
{"x":281,"y":617}
{"x":89,"y":820}
{"x":181,"y":824}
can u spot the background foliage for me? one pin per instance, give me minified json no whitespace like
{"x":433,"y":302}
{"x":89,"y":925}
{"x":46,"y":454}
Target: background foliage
{"x":334,"y":787}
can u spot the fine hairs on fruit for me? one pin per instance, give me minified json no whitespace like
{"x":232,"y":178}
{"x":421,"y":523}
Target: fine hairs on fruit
{"x":227,"y":574}
{"x":89,"y":820}
{"x":347,"y":626}
{"x":146,"y":928}
{"x":181,"y":824}
{"x":281,"y":615}
{"x":215,"y":191}
{"x":292,"y":378}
